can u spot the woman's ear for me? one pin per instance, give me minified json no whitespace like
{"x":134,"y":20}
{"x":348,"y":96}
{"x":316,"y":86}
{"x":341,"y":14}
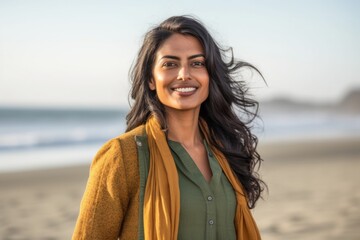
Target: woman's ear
{"x":152,"y":84}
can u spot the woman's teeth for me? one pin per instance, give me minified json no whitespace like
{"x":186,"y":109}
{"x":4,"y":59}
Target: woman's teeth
{"x":186,"y":89}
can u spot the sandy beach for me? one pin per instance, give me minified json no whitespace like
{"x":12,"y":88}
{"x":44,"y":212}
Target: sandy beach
{"x":313,"y":194}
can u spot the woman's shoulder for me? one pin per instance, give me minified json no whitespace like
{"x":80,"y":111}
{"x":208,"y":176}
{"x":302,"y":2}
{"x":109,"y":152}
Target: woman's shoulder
{"x":124,"y":144}
{"x":132,"y":134}
{"x":118,"y":157}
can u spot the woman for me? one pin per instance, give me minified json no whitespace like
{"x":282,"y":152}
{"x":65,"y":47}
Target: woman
{"x":184,"y":169}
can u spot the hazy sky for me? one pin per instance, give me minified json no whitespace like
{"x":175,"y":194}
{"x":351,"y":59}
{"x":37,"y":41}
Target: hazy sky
{"x":78,"y":53}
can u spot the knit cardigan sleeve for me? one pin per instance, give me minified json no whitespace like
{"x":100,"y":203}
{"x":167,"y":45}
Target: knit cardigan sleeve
{"x":106,"y":198}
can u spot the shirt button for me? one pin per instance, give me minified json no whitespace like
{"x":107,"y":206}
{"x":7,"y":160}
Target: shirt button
{"x":210,"y":154}
{"x":209,"y":198}
{"x":211,"y":222}
{"x":139,"y":143}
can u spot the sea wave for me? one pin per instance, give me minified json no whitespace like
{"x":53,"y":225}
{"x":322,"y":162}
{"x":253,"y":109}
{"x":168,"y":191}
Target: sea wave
{"x":20,"y":141}
{"x":23,"y":129}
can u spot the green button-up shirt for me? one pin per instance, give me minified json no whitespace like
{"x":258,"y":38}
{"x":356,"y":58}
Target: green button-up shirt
{"x":207,"y":209}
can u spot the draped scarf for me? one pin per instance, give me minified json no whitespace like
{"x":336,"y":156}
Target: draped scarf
{"x":162,"y":194}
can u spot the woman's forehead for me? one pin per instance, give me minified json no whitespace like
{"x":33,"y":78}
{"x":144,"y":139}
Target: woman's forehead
{"x":179,"y":45}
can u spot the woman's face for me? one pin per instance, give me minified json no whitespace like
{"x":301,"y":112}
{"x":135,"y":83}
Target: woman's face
{"x":180,"y":78}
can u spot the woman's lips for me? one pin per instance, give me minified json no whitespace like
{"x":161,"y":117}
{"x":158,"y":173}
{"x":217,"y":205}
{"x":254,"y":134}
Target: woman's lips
{"x":185,"y":89}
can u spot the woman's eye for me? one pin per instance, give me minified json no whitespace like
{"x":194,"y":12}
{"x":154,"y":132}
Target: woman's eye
{"x":169,"y":64}
{"x":198,"y":64}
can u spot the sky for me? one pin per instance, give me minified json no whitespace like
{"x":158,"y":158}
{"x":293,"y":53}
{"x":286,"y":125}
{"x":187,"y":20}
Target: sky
{"x":78,"y":53}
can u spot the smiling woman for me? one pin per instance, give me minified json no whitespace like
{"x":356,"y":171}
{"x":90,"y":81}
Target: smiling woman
{"x":180,"y":78}
{"x":184,"y":169}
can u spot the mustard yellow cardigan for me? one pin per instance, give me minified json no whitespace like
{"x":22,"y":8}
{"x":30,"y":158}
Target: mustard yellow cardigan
{"x":110,"y":205}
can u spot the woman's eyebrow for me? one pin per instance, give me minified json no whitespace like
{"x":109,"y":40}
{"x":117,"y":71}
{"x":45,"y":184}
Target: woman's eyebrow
{"x":177,"y":58}
{"x":196,"y":56}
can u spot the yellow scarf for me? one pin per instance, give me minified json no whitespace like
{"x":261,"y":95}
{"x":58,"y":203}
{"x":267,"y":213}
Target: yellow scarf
{"x":162,"y":194}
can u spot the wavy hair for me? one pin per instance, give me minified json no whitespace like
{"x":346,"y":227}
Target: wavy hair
{"x":228,"y":110}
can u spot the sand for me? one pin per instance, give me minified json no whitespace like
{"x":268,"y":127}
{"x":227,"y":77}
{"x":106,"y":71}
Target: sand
{"x":313,"y":190}
{"x":313,"y":194}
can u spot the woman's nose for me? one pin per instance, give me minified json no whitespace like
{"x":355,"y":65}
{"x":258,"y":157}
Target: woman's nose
{"x":184,"y":73}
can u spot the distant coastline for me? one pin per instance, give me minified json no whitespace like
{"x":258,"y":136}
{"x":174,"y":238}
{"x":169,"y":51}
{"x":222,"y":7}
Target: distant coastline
{"x":349,"y":104}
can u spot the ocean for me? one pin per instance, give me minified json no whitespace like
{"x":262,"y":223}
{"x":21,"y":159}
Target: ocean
{"x":43,"y":138}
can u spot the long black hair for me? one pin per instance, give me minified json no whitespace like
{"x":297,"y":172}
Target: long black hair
{"x":223,"y":110}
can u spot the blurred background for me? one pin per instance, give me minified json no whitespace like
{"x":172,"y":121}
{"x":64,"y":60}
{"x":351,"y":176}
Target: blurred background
{"x":64,"y":92}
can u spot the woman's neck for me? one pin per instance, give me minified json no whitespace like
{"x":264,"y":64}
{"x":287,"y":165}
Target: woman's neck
{"x":183,"y":127}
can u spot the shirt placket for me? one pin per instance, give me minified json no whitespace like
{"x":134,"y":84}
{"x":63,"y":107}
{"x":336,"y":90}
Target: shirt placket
{"x":210,"y":199}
